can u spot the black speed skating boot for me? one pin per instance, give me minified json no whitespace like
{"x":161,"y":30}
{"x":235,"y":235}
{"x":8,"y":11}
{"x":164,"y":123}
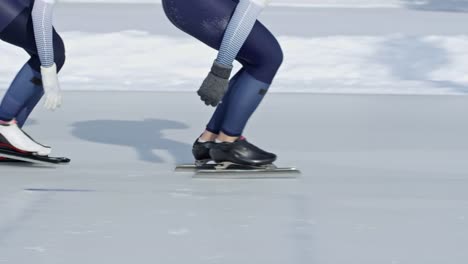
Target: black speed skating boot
{"x":201,"y":152}
{"x":241,"y":152}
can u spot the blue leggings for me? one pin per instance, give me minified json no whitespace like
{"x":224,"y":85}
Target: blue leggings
{"x":261,"y":57}
{"x":26,"y":90}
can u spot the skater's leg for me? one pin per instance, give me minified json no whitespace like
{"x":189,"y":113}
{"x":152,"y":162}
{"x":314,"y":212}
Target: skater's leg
{"x":201,"y":147}
{"x":29,"y":107}
{"x":26,"y":90}
{"x":214,"y":126}
{"x":59,"y":56}
{"x":21,"y":91}
{"x":246,"y":97}
{"x":261,"y":56}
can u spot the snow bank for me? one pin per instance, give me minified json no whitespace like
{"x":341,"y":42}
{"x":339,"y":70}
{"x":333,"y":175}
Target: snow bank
{"x":136,"y":60}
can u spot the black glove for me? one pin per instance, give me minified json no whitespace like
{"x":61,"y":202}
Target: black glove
{"x":215,"y":84}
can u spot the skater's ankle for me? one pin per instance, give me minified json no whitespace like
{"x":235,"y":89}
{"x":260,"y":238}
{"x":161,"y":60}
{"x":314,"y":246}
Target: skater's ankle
{"x":207,"y":136}
{"x":6,"y":122}
{"x":225,"y":138}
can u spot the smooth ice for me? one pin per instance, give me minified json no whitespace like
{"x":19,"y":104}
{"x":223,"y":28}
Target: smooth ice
{"x":384,"y":181}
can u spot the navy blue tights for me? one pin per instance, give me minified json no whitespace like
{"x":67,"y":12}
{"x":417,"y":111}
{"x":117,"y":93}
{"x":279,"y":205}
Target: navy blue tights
{"x":261,"y":57}
{"x":244,"y":95}
{"x":26,"y":89}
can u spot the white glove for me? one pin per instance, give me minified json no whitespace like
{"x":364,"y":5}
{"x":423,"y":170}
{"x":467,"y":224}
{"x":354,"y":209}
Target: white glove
{"x":52,"y":92}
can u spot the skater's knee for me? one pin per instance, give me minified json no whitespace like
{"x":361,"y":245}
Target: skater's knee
{"x":60,"y":61}
{"x":266,"y":61}
{"x":276,"y":58}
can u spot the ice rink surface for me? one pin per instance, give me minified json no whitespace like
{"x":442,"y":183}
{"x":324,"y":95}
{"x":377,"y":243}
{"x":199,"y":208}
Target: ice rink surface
{"x":384,"y":181}
{"x":384,"y":176}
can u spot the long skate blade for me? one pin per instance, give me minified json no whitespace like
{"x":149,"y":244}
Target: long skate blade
{"x":282,"y":173}
{"x":194,"y":167}
{"x":27,"y":160}
{"x":59,"y":160}
{"x":233,"y":171}
{"x":185,"y":168}
{"x":48,"y":161}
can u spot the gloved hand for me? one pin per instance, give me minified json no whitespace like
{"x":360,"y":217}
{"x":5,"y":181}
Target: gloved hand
{"x":215,"y":85}
{"x":52,"y":92}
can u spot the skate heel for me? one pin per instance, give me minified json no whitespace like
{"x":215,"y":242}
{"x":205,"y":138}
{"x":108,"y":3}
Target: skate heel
{"x":14,"y":136}
{"x":201,"y":163}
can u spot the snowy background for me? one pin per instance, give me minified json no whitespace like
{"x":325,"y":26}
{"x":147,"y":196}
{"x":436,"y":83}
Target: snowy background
{"x":331,"y":46}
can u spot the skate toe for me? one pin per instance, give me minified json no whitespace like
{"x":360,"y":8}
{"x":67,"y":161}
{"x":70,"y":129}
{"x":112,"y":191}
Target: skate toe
{"x":44,"y":151}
